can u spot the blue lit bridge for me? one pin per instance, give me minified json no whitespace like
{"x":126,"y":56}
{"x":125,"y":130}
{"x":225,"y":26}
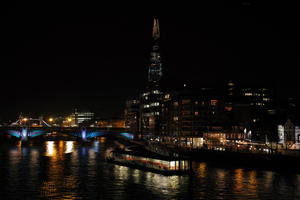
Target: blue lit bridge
{"x":26,"y":133}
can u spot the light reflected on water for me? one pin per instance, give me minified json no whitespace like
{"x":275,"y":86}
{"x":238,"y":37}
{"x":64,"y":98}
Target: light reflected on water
{"x":60,"y":178}
{"x":69,"y":146}
{"x":68,"y":170}
{"x":238,"y":180}
{"x":201,"y":169}
{"x":50,"y":148}
{"x":121,"y":172}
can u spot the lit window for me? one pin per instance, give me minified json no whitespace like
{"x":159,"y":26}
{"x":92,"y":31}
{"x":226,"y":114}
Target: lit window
{"x":145,"y":94}
{"x":186,"y":101}
{"x":213,"y":102}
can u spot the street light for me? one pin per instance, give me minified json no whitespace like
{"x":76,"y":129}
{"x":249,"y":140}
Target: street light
{"x":24,"y":121}
{"x":50,"y":119}
{"x":69,"y":120}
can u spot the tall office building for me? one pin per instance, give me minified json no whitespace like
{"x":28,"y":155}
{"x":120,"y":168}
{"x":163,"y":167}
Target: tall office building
{"x":155,"y":66}
{"x":151,"y":96}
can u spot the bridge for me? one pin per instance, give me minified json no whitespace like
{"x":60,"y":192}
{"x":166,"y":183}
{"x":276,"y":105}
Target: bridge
{"x":26,"y":133}
{"x":29,"y":128}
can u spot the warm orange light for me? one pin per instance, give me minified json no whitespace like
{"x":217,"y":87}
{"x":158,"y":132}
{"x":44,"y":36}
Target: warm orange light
{"x":69,"y":119}
{"x":24,"y":119}
{"x":50,"y":119}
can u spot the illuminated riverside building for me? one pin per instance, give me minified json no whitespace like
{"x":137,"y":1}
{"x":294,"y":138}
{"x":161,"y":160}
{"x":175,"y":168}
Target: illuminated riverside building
{"x":151,"y":96}
{"x":289,"y":135}
{"x":187,"y":114}
{"x":131,"y":115}
{"x":250,"y":106}
{"x":111,"y":123}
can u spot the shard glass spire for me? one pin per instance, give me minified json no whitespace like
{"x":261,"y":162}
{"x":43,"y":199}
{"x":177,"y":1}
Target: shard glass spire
{"x":155,"y":66}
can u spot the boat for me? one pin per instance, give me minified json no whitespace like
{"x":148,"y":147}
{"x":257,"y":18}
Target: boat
{"x":149,"y":162}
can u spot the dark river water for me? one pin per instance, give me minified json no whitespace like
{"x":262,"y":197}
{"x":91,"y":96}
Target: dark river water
{"x":68,"y":170}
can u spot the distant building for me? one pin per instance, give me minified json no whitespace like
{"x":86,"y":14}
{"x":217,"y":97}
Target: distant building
{"x":215,"y":138}
{"x":111,"y":123}
{"x":131,"y":115}
{"x":251,"y":107}
{"x":152,"y":95}
{"x":289,"y":135}
{"x":82,"y":116}
{"x":262,"y":98}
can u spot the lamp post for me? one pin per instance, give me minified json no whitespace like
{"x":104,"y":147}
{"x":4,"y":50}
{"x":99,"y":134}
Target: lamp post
{"x":69,"y":121}
{"x":24,"y":121}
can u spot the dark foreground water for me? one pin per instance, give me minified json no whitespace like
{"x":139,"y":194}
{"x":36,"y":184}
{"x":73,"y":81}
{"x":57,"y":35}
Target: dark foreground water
{"x":67,"y":170}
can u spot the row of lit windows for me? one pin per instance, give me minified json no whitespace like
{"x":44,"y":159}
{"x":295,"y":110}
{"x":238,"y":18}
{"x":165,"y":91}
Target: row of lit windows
{"x":258,"y":104}
{"x":254,"y":89}
{"x":213,"y":102}
{"x":151,"y":114}
{"x":254,"y":94}
{"x":151,"y":105}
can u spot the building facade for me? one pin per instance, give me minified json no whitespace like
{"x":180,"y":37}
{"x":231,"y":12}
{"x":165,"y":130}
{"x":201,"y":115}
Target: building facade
{"x":252,"y":107}
{"x":190,"y":113}
{"x":131,"y":116}
{"x":289,"y":135}
{"x":151,"y":96}
{"x":80,"y":117}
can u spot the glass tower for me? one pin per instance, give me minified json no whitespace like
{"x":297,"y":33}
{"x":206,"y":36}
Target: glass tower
{"x":155,"y":66}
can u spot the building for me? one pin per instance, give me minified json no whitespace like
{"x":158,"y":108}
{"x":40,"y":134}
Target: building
{"x":255,"y":96}
{"x":152,"y":95}
{"x":131,"y":115}
{"x":80,"y":117}
{"x":111,"y":123}
{"x":222,"y":138}
{"x":289,"y":135}
{"x":187,"y":114}
{"x":251,"y":107}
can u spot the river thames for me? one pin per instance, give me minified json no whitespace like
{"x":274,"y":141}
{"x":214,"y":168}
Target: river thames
{"x":69,"y":170}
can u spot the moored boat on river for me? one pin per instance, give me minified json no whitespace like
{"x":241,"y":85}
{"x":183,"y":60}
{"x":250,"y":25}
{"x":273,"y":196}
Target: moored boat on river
{"x":150,"y":162}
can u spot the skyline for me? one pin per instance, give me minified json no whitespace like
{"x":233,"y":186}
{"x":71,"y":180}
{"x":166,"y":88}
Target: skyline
{"x":112,"y":52}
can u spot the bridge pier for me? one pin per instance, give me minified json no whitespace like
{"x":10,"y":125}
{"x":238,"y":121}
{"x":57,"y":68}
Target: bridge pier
{"x":83,"y":135}
{"x":24,"y":134}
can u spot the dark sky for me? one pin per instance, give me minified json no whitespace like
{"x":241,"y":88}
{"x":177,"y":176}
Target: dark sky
{"x":56,"y":56}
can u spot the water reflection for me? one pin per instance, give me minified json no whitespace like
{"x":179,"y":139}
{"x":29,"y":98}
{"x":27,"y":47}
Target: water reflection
{"x":60,"y":178}
{"x":69,"y":146}
{"x":54,"y":149}
{"x":50,"y":148}
{"x":238,"y":180}
{"x":68,"y":170}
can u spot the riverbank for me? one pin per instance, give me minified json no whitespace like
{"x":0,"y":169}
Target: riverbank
{"x":280,"y":160}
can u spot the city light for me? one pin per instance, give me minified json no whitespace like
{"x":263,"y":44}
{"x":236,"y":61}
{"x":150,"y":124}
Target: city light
{"x":50,"y":119}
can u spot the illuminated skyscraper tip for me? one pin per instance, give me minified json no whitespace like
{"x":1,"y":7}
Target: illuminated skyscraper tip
{"x":156,"y":33}
{"x":155,"y":67}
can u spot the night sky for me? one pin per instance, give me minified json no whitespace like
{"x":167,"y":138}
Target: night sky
{"x":59,"y":56}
